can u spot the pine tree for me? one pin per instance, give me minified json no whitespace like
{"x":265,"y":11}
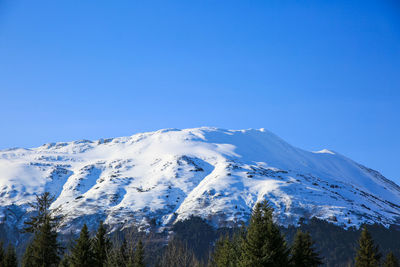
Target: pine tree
{"x":226,"y":252}
{"x":44,"y":250}
{"x":45,"y":246}
{"x":367,"y":254}
{"x":264,"y":245}
{"x":27,"y":259}
{"x":222,"y":251}
{"x":391,"y":261}
{"x":82,"y":254}
{"x":138,"y":259}
{"x":101,"y":246}
{"x":42,"y":213}
{"x":302,"y":251}
{"x":10,"y":258}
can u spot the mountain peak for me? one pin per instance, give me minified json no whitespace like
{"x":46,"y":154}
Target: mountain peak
{"x":170,"y":174}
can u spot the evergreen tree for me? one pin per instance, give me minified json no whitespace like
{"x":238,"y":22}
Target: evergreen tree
{"x":391,"y":261}
{"x":45,"y":246}
{"x":10,"y":258}
{"x":226,"y":252}
{"x":42,"y":213}
{"x":44,"y":249}
{"x":222,"y":251}
{"x":82,"y":254}
{"x":302,"y":251}
{"x":138,"y":259}
{"x":368,"y":253}
{"x":101,"y":246}
{"x":27,"y":259}
{"x":264,"y":245}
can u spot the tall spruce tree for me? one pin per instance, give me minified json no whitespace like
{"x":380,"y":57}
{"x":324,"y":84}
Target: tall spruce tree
{"x":82,"y":254}
{"x":302,"y":251}
{"x":391,"y":260}
{"x":44,"y":249}
{"x":264,"y":245}
{"x":42,"y":213}
{"x":45,"y":246}
{"x":138,"y":259}
{"x":10,"y":257}
{"x":101,"y":246}
{"x":368,"y":254}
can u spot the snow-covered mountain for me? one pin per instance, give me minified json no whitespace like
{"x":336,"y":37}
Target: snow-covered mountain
{"x":168,"y":175}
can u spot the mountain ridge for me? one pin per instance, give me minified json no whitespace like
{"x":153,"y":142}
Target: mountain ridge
{"x":170,"y":174}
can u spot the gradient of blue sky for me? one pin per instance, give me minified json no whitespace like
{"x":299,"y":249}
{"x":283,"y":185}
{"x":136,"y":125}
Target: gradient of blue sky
{"x":320,"y":74}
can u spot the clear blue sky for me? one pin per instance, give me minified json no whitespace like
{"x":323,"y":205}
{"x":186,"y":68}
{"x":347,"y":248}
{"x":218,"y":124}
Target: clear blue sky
{"x":320,"y":74}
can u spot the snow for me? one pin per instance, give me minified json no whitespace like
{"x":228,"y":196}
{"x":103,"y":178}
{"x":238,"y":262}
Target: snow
{"x":214,"y":173}
{"x":325,"y":151}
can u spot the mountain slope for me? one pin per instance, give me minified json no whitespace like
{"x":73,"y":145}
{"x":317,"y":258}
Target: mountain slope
{"x":168,"y":175}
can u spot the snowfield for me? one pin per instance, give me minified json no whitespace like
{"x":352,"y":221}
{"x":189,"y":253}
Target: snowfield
{"x":164,"y":176}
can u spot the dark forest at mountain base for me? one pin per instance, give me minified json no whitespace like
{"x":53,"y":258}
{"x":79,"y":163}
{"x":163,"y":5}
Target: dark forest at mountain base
{"x":194,"y":242}
{"x":336,"y":246}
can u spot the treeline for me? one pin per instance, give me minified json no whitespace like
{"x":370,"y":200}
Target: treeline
{"x":261,"y":243}
{"x":338,"y":246}
{"x":45,"y":250}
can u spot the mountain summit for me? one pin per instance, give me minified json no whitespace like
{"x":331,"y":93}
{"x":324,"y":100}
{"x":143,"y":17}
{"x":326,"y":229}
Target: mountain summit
{"x":164,"y":176}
